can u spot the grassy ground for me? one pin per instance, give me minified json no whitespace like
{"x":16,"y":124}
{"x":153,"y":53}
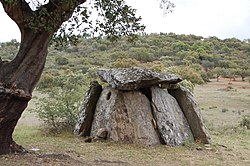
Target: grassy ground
{"x":222,"y":107}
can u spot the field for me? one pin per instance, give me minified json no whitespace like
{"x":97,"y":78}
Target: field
{"x":222,"y":105}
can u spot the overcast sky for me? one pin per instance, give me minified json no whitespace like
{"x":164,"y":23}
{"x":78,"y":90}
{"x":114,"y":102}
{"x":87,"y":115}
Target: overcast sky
{"x":221,"y":18}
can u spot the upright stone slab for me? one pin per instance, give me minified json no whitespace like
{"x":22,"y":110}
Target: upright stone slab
{"x":192,"y":112}
{"x":172,"y":124}
{"x":108,"y":102}
{"x":140,"y":114}
{"x":83,"y":125}
{"x":127,"y":116}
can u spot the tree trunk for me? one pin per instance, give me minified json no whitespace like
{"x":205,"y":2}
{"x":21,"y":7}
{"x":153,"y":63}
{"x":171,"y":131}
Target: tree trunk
{"x":11,"y":109}
{"x":18,"y":78}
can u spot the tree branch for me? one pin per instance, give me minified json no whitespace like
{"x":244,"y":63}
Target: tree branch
{"x":64,"y":8}
{"x":18,"y":11}
{"x":56,"y":10}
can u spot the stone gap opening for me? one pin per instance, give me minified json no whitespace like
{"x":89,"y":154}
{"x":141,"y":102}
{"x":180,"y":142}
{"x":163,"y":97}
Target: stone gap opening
{"x":147,"y":93}
{"x":108,"y":96}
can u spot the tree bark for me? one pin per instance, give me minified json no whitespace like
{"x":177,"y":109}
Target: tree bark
{"x":11,"y":108}
{"x":18,"y":78}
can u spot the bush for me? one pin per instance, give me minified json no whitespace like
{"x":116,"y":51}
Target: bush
{"x":188,"y":84}
{"x":58,"y":115}
{"x":59,"y":111}
{"x":187,"y":73}
{"x":125,"y":63}
{"x":61,"y":60}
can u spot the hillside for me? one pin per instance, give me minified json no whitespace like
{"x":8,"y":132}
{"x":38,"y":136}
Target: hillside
{"x":200,"y":58}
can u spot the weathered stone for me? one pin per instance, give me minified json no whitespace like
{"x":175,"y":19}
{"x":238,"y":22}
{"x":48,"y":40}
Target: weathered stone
{"x":102,"y":133}
{"x":83,"y":126}
{"x":192,"y":113}
{"x":141,"y":107}
{"x":105,"y":106}
{"x":170,"y":120}
{"x":135,"y":78}
{"x":127,"y":117}
{"x":140,"y":113}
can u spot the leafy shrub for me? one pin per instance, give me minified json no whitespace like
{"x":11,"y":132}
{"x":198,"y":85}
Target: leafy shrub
{"x":142,"y":54}
{"x":188,"y":84}
{"x":157,"y":67}
{"x":59,"y":110}
{"x":118,"y":55}
{"x":58,"y":115}
{"x":61,"y":60}
{"x":125,"y":63}
{"x":187,"y":73}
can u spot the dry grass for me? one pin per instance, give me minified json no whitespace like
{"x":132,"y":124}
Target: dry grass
{"x":215,"y":97}
{"x":231,"y":143}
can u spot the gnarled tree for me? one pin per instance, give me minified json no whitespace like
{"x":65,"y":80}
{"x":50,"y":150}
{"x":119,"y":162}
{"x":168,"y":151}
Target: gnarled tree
{"x":39,"y":22}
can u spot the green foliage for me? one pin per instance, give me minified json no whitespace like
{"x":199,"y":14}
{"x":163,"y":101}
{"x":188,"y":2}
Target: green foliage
{"x":125,"y":63}
{"x":229,"y":73}
{"x":187,"y":73}
{"x":216,"y":72}
{"x":141,"y":54}
{"x":9,"y":49}
{"x":59,"y":109}
{"x":188,"y":84}
{"x":61,"y":60}
{"x":115,"y":19}
{"x":58,"y":114}
{"x":156,"y":66}
{"x":154,"y":51}
{"x":243,"y":72}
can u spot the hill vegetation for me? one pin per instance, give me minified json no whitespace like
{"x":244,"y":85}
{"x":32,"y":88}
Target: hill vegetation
{"x":200,"y":58}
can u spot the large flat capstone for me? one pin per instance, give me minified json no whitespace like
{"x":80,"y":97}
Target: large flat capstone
{"x":135,"y":78}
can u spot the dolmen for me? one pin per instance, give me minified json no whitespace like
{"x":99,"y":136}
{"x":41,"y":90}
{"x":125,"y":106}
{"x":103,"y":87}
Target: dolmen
{"x":142,"y":107}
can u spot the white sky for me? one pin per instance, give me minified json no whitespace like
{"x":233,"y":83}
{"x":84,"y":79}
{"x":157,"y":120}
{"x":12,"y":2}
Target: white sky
{"x":221,"y":18}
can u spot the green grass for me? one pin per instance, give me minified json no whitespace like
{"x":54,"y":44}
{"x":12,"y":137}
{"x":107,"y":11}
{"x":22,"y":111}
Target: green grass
{"x":230,"y":142}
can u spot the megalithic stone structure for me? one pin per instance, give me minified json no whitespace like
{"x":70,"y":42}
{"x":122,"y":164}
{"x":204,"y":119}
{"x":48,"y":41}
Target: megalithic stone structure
{"x":143,"y":107}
